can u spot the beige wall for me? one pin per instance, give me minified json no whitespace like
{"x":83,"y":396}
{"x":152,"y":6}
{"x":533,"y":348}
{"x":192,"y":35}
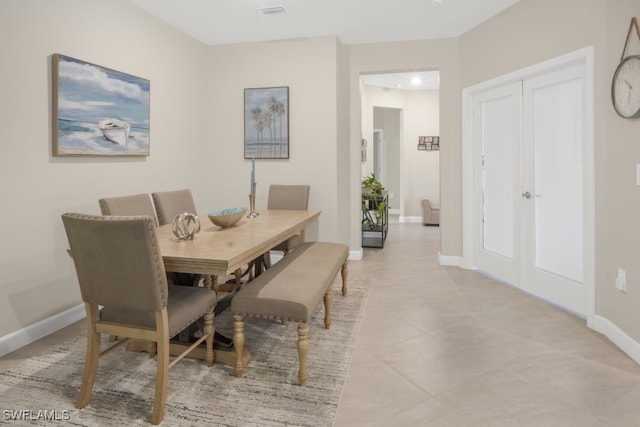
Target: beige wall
{"x":309,"y":69}
{"x":37,"y":279}
{"x":617,"y":154}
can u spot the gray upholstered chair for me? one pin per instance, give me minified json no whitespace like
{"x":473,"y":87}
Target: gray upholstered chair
{"x":289,"y":197}
{"x":283,"y":197}
{"x":124,"y":288}
{"x":137,"y":204}
{"x":430,"y":215}
{"x":168,"y":204}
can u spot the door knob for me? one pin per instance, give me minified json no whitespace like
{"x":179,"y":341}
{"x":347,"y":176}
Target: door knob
{"x":526,"y":195}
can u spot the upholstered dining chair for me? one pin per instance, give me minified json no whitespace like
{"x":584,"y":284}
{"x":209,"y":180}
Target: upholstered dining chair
{"x":168,"y":204}
{"x":288,"y":197}
{"x":125,"y":293}
{"x":284,"y":197}
{"x":136,"y":204}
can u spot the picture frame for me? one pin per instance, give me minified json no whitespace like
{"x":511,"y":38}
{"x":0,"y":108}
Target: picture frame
{"x":428,"y":143}
{"x":266,"y":123}
{"x":98,"y":111}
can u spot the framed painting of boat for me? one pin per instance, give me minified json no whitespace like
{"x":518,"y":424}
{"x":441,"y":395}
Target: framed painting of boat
{"x":98,"y":111}
{"x":266,"y":123}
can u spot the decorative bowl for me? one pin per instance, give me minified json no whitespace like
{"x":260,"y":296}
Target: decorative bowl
{"x":227,"y":217}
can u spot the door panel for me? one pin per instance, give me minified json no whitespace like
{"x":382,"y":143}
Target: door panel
{"x":497,"y":129}
{"x":554,"y":123}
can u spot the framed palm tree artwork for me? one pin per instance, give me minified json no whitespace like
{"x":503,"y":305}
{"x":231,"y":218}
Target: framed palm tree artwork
{"x":266,"y":123}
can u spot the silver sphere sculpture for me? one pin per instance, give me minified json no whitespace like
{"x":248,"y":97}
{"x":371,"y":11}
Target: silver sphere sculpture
{"x":186,"y":225}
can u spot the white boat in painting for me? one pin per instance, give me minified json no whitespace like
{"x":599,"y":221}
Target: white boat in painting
{"x":115,"y":131}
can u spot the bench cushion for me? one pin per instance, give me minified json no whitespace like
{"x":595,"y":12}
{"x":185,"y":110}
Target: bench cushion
{"x":292,"y":288}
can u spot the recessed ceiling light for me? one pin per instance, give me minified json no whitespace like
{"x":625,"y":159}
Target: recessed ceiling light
{"x":436,"y":2}
{"x":275,"y":10}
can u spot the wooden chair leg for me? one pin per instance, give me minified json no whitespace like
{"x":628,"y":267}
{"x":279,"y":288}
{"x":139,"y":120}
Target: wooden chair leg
{"x":238,"y":342}
{"x":344,"y":272}
{"x":303,"y":350}
{"x":162,"y":369}
{"x":91,"y":360}
{"x":328,"y":301}
{"x":151,"y":349}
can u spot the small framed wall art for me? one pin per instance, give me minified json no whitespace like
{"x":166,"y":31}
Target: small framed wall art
{"x":98,"y":111}
{"x":428,"y":143}
{"x":266,"y":123}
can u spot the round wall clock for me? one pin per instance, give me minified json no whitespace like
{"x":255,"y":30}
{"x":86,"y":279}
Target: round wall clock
{"x":625,"y":88}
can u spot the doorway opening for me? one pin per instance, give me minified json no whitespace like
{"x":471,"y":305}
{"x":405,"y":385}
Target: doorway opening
{"x":397,"y":109}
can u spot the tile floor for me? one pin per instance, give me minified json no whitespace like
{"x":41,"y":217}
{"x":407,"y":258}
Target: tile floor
{"x":442,"y":346}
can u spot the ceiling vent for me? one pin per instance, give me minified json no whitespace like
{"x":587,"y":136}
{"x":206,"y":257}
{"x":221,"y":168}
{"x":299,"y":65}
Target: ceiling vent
{"x":275,"y":10}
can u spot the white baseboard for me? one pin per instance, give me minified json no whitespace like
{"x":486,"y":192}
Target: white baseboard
{"x":627,"y":344}
{"x":455,"y":261}
{"x":417,"y":219}
{"x":31,"y":333}
{"x":356,"y":255}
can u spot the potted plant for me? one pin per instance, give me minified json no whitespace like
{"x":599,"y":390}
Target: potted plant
{"x":372,"y":202}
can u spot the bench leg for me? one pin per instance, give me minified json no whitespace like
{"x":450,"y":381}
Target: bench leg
{"x":238,"y":342}
{"x":328,"y":301}
{"x":303,"y":350}
{"x":344,"y":272}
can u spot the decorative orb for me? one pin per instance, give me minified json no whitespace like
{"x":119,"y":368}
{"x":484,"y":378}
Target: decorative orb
{"x":186,"y":225}
{"x":227,"y":217}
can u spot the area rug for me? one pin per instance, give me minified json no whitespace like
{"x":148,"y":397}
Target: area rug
{"x":43,"y":389}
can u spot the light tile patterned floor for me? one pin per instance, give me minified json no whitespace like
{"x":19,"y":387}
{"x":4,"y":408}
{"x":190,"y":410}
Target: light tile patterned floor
{"x":441,"y":346}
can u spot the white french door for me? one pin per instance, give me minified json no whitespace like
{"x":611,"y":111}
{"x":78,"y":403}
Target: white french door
{"x":529,"y":140}
{"x":553,"y":225}
{"x":497,"y":124}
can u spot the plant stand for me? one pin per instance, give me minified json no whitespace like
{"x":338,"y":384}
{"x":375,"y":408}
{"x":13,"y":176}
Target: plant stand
{"x":374,"y":234}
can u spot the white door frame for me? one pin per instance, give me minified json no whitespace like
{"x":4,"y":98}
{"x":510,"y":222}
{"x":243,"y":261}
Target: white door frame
{"x":378,"y":154}
{"x":584,"y":56}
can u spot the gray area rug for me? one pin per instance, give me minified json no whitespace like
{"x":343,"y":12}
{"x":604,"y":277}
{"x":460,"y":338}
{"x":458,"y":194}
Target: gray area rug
{"x":47,"y":386}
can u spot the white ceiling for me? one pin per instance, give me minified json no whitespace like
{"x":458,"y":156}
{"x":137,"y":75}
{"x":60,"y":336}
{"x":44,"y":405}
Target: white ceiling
{"x":353,"y":21}
{"x":216,"y":22}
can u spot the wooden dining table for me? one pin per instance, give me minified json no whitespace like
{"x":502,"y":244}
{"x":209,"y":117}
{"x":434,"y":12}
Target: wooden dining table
{"x":218,"y":252}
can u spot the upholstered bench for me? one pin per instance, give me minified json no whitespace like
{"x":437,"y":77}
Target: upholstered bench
{"x":290,"y":291}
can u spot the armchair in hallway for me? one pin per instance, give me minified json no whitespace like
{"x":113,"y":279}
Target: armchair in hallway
{"x":430,"y":215}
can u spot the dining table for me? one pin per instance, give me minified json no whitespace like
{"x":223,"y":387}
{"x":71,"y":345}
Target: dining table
{"x":216,"y":252}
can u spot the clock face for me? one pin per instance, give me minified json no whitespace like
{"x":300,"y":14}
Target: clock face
{"x":625,"y":88}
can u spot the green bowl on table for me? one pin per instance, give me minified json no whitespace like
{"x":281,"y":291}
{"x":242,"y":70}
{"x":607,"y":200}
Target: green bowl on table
{"x":227,"y":217}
